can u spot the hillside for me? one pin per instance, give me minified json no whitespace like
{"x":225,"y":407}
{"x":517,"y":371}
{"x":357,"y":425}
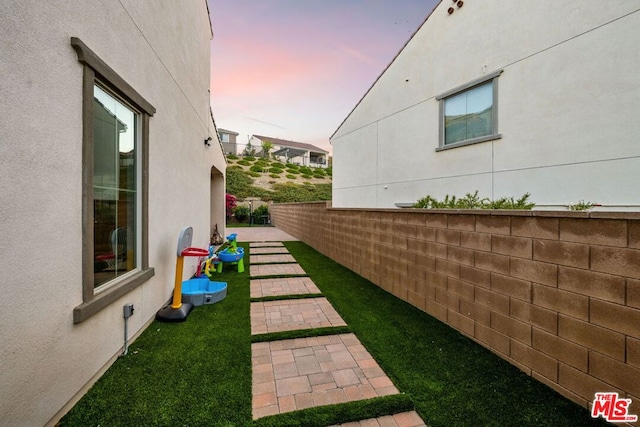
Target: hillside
{"x":267,"y":179}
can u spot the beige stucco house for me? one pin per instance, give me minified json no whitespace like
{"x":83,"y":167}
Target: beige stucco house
{"x":504,"y":98}
{"x":108,"y":150}
{"x":291,"y":151}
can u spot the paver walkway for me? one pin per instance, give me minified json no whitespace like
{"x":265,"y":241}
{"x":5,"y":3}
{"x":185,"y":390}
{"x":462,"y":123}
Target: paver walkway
{"x":293,"y":314}
{"x":403,"y":419}
{"x":266,"y":270}
{"x":272,"y":259}
{"x":300,"y":373}
{"x":282,"y":286}
{"x":305,"y":372}
{"x":268,"y":250}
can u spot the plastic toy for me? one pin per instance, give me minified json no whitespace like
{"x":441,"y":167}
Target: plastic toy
{"x":177,"y":311}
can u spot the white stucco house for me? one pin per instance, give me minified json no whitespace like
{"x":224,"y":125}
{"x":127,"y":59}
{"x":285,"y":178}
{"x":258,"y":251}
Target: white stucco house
{"x":291,"y":151}
{"x":503,"y":98}
{"x":108,"y":150}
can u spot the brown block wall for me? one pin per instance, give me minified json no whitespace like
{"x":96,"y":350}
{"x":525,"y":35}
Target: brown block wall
{"x":556,"y":294}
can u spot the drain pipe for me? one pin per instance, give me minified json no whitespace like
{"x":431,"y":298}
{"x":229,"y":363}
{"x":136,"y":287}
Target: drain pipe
{"x":127,"y":312}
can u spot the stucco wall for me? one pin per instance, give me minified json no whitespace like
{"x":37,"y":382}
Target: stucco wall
{"x":566,"y":108}
{"x":161,"y":48}
{"x":556,"y":294}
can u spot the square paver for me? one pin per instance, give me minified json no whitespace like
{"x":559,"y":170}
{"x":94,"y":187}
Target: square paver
{"x":403,"y":419}
{"x":266,"y":270}
{"x":272,"y":259}
{"x":268,"y":250}
{"x":304,"y":373}
{"x":293,"y":314}
{"x":265,"y":244}
{"x":283,"y":286}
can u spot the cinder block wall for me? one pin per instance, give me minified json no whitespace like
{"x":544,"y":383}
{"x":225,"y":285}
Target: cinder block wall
{"x":557,"y":294}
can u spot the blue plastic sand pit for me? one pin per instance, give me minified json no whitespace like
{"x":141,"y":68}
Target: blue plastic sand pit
{"x":201,"y":291}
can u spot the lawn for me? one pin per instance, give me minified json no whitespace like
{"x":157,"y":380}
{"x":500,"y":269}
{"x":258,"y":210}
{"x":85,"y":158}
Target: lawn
{"x":199,"y":372}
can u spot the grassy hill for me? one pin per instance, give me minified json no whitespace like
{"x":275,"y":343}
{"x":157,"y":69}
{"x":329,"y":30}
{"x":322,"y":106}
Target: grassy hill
{"x":270,"y":179}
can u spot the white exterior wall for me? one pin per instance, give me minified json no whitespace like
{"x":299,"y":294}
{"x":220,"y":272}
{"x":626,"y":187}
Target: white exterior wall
{"x":161,"y":48}
{"x":567,"y":108}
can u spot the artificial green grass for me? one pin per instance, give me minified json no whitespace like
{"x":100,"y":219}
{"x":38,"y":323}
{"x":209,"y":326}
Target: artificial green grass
{"x":194,"y":373}
{"x":198,"y":373}
{"x":452,"y":380}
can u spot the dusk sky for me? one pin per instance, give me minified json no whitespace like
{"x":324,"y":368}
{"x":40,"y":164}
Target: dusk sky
{"x":294,"y":69}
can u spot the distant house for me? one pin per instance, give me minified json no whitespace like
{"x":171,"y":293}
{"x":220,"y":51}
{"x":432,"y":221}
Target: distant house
{"x":228,"y":139}
{"x":294,"y":152}
{"x":538,"y":97}
{"x":106,"y":156}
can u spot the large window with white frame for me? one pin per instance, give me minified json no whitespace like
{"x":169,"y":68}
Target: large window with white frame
{"x":115,"y":151}
{"x":469,"y":113}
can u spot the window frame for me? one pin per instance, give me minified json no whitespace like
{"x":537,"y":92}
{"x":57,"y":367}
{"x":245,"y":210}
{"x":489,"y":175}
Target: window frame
{"x":493,"y":78}
{"x":96,"y":71}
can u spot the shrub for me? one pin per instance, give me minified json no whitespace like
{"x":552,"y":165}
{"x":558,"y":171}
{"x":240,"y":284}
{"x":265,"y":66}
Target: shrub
{"x":244,"y":162}
{"x":249,"y":158}
{"x":291,"y":176}
{"x":275,"y":172}
{"x":278,"y":165}
{"x":241,"y":213}
{"x":473,"y":201}
{"x":290,"y":192}
{"x":234,"y":167}
{"x":296,"y":171}
{"x":329,"y":171}
{"x":256,"y":168}
{"x":232,"y":157}
{"x":273,"y":175}
{"x":316,"y":176}
{"x":306,"y":176}
{"x":319,"y":171}
{"x":240,"y":183}
{"x":306,"y":170}
{"x":230,"y":204}
{"x":581,"y":206}
{"x":261,"y":210}
{"x":292,"y":166}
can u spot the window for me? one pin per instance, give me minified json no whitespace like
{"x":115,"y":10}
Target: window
{"x":224,"y":137}
{"x":469,"y":114}
{"x":115,"y":155}
{"x":115,"y":180}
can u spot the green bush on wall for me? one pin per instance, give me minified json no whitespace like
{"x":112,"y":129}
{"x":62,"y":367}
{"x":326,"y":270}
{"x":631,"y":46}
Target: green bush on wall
{"x":257,"y":169}
{"x":473,"y":201}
